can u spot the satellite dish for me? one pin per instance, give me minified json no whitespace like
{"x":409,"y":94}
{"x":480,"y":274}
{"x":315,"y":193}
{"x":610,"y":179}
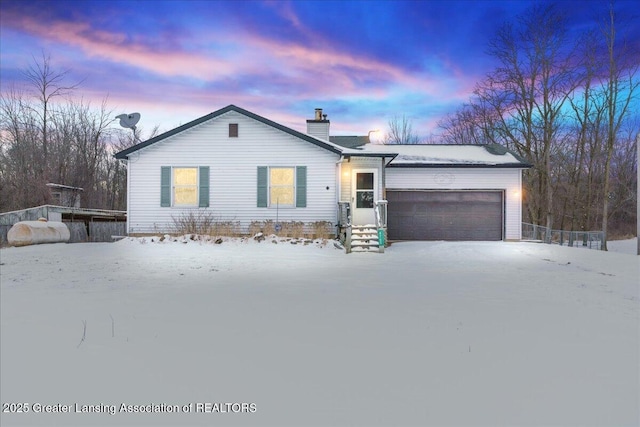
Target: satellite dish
{"x":129,"y":121}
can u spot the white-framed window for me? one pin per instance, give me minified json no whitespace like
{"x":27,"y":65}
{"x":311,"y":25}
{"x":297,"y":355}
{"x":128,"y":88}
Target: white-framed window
{"x":185,"y":186}
{"x":282,"y":187}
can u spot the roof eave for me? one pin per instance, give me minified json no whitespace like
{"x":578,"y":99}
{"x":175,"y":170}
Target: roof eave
{"x":462,"y":165}
{"x":351,"y":154}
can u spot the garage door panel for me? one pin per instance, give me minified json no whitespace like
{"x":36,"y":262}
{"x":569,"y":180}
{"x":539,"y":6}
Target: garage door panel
{"x":445,"y":215}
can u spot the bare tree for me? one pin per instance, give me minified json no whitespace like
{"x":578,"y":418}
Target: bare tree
{"x":528,"y":91}
{"x":46,"y":84}
{"x":473,"y":123}
{"x":460,"y":127}
{"x":401,"y":131}
{"x":620,"y":89}
{"x":570,"y":110}
{"x":44,"y":138}
{"x":19,"y":158}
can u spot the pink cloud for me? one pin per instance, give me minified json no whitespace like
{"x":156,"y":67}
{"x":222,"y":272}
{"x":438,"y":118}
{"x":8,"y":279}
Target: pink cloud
{"x":305,"y":67}
{"x":117,"y":48}
{"x":343,"y":68}
{"x":261,"y":74}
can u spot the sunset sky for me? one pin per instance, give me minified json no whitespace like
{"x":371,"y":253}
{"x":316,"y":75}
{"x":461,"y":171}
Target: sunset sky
{"x":363,"y":62}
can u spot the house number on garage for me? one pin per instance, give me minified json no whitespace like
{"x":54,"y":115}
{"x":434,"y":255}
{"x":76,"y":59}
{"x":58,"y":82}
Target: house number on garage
{"x":444,"y":178}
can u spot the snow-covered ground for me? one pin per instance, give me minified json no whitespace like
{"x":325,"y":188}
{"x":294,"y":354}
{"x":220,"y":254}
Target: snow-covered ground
{"x":428,"y":333}
{"x":629,"y":246}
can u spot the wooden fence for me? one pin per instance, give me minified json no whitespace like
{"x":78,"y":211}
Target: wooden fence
{"x":103,"y":231}
{"x":78,"y":232}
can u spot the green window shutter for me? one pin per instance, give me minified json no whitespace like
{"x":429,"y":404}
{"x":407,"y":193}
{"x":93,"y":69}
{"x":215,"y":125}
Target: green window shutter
{"x":204,"y":187}
{"x":263,"y":184}
{"x":165,"y":186}
{"x":301,"y":187}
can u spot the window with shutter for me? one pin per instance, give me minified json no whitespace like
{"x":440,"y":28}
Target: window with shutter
{"x":282,"y":186}
{"x":184,"y":186}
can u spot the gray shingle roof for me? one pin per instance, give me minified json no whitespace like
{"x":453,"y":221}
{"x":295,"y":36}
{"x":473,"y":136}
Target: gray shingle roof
{"x":350,"y":141}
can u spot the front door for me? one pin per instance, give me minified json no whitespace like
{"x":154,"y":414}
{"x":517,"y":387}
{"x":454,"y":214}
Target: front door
{"x":364,"y":193}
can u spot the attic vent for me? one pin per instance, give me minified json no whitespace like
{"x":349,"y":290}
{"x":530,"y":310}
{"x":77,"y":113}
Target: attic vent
{"x":233,"y":130}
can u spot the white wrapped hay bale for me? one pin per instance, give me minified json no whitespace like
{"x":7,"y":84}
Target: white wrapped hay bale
{"x":35,"y":232}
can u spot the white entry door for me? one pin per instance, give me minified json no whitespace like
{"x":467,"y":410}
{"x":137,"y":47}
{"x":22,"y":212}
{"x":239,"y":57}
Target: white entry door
{"x":364,"y":193}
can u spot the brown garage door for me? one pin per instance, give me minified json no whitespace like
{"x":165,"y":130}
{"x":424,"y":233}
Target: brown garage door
{"x":445,"y":215}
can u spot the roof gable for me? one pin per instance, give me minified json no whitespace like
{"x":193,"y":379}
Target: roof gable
{"x":334,"y":148}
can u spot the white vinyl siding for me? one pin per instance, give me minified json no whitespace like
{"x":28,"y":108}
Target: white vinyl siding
{"x":233,"y":165}
{"x":507,"y":180}
{"x":319,"y":130}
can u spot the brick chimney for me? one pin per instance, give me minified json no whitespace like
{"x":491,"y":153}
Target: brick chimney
{"x":319,"y":126}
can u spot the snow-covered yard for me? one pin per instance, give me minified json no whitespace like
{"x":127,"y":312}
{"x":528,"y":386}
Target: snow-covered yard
{"x":246,"y":333}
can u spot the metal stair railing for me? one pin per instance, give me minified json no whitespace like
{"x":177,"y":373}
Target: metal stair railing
{"x":380,"y":209}
{"x":345,"y":218}
{"x":344,"y":221}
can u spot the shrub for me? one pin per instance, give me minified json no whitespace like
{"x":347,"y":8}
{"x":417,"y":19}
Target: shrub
{"x":293,"y":229}
{"x":204,"y":223}
{"x":322,"y":229}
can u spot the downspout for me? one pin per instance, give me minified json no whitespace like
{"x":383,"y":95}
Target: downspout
{"x":384,"y":179}
{"x":339,"y":180}
{"x":338,"y":194}
{"x":521,"y":201}
{"x":128,"y":194}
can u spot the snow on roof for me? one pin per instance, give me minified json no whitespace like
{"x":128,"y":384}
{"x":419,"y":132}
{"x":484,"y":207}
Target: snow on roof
{"x":64,"y":187}
{"x":432,"y":154}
